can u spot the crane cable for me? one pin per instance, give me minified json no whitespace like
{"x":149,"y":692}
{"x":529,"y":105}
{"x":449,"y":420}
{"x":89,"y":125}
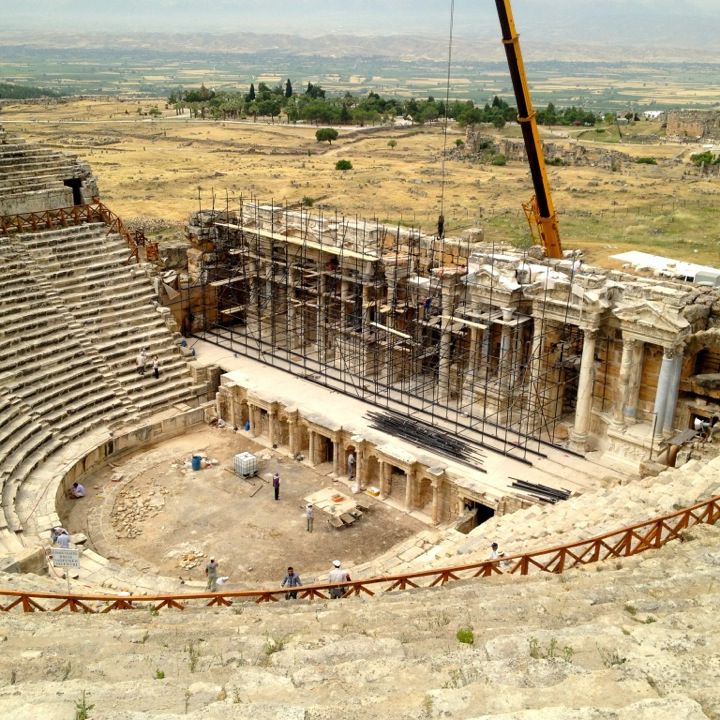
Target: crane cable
{"x":441,"y":219}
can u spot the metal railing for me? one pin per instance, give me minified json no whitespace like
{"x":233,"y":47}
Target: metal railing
{"x":627,"y":541}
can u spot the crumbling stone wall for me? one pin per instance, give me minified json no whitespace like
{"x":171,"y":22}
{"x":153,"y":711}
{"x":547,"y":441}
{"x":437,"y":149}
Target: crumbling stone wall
{"x":574,"y":154}
{"x":694,"y":123}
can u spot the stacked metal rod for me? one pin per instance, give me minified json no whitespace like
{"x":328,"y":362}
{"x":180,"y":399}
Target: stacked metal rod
{"x":428,"y":437}
{"x":542,"y":492}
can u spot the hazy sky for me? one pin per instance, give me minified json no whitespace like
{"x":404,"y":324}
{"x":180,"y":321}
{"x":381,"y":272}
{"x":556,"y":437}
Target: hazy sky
{"x":382,"y":16}
{"x":640,"y":21}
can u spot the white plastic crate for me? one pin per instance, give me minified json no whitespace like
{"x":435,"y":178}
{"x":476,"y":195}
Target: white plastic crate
{"x":245,"y":464}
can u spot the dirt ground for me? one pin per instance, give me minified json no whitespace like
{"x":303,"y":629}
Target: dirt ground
{"x":163,"y":169}
{"x":152,"y":510}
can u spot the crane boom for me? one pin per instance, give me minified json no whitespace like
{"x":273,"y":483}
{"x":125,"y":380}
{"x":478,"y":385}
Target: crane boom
{"x":540,"y":210}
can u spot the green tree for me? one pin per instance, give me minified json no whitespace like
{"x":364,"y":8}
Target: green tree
{"x":288,"y":89}
{"x":326,"y":134}
{"x":315,"y":91}
{"x":251,"y":94}
{"x":343,"y":165}
{"x":703,"y":158}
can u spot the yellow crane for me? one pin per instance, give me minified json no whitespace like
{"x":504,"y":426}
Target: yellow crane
{"x":540,"y":211}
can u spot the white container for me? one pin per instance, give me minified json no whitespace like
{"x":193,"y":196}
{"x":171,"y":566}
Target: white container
{"x":245,"y":464}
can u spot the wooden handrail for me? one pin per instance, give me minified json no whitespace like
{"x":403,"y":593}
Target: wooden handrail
{"x":95,"y":211}
{"x":627,"y":541}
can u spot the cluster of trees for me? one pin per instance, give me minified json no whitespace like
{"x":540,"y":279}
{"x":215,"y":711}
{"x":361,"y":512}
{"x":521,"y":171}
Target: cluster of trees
{"x":705,"y":158}
{"x":23,"y":92}
{"x":313,"y":105}
{"x":566,"y":116}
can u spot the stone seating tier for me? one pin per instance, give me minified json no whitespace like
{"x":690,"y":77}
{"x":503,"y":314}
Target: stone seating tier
{"x":39,"y":165}
{"x":57,"y":366}
{"x":32,"y":181}
{"x":624,"y":640}
{"x":578,"y":518}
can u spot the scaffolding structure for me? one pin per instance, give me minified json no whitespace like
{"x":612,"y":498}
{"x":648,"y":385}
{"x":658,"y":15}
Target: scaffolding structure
{"x":422,"y":325}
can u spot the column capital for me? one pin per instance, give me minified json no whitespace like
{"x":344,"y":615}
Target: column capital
{"x":630,"y":342}
{"x":589,"y":331}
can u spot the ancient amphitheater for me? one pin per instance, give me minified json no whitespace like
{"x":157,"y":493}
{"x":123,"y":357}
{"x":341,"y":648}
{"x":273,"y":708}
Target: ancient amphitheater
{"x":604,"y":605}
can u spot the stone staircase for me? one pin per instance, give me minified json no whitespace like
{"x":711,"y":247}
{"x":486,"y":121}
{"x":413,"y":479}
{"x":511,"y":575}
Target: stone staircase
{"x":630,"y":639}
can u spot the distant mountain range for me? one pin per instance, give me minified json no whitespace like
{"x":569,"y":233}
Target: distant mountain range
{"x":560,"y":43}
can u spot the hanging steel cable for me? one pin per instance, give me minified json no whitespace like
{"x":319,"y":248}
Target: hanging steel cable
{"x":441,"y":218}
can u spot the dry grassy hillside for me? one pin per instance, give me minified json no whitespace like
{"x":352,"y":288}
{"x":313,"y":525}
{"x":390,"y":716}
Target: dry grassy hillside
{"x":159,"y":168}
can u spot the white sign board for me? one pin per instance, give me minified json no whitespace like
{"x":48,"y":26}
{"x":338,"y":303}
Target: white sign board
{"x":65,"y":557}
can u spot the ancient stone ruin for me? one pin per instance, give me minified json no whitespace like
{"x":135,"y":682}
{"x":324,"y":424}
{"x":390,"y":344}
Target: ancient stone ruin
{"x":476,"y":367}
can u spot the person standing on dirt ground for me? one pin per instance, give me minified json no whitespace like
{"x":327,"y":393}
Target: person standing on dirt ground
{"x":276,"y":485}
{"x":211,"y":570}
{"x":156,"y":367}
{"x":309,"y":517}
{"x":351,"y":465}
{"x":291,"y":580}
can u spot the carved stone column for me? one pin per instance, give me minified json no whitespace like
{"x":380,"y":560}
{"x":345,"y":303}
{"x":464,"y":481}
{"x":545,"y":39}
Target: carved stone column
{"x":337,"y":449}
{"x":665,"y":379}
{"x":344,"y":288}
{"x":312,"y":452}
{"x":409,"y":489}
{"x":535,"y":404}
{"x":273,"y":425}
{"x":674,"y":388}
{"x":254,"y":412}
{"x":623,"y":382}
{"x":445,"y":338}
{"x":505,"y":359}
{"x":385,"y":475}
{"x":633,"y":390}
{"x":294,"y":434}
{"x":435,"y":512}
{"x":437,"y":474}
{"x":583,"y":406}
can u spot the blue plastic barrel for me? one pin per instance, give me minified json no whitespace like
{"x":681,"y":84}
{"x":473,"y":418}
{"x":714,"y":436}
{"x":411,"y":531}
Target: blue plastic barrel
{"x":196,"y":462}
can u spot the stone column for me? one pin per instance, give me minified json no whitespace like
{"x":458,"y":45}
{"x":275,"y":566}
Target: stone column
{"x":665,"y":379}
{"x":361,"y":465}
{"x":290,"y":320}
{"x":385,"y":474}
{"x":583,"y":407}
{"x":535,"y":361}
{"x":436,"y":476}
{"x":445,"y":336}
{"x":344,"y":287}
{"x":293,"y":434}
{"x":337,"y":449}
{"x":312,"y":451}
{"x":505,"y":359}
{"x":471,"y":372}
{"x":633,"y":390}
{"x":320,"y":328}
{"x":670,"y":405}
{"x":623,"y":382}
{"x":254,"y":413}
{"x":435,"y":501}
{"x":409,"y":489}
{"x":272,"y":425}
